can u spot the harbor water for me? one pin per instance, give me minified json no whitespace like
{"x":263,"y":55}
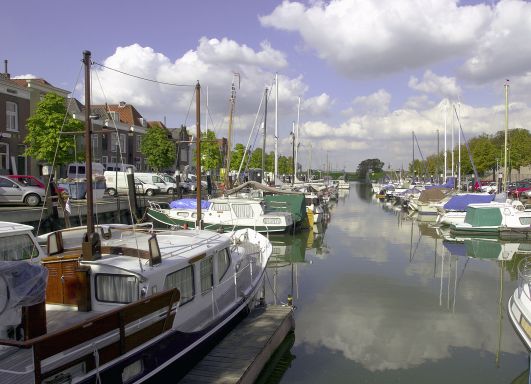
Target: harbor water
{"x":380,"y":298}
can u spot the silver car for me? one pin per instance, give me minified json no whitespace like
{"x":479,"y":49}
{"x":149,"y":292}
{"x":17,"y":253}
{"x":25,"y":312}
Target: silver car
{"x":14,"y":192}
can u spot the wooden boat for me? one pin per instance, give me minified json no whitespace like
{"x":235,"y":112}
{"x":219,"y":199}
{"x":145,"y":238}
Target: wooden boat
{"x":225,"y":213}
{"x":519,"y":306}
{"x":149,"y":301}
{"x":124,"y":304}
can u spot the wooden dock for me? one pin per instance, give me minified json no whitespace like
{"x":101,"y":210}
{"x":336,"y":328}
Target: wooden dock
{"x":243,"y":353}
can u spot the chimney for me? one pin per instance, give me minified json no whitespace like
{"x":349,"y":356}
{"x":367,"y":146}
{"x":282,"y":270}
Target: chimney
{"x":5,"y":74}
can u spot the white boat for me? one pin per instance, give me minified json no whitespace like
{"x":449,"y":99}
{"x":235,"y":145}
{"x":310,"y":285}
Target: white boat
{"x":225,"y":213}
{"x":519,"y":306}
{"x":490,"y":218}
{"x":150,"y":300}
{"x":454,"y":210}
{"x":124,"y":304}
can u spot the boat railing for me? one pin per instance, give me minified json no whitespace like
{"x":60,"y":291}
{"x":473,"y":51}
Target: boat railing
{"x":108,"y":336}
{"x":524,"y":277}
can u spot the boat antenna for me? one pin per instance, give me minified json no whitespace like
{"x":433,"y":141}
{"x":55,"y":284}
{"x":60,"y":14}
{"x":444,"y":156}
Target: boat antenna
{"x":91,"y":247}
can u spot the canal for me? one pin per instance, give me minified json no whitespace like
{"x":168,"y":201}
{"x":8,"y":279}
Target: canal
{"x":380,"y":298}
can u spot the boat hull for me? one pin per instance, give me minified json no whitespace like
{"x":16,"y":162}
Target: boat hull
{"x":161,"y":217}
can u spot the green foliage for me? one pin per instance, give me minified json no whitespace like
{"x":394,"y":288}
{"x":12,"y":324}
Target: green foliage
{"x":486,"y":151}
{"x":158,"y":150}
{"x":375,"y":165}
{"x":236,"y":157}
{"x":256,"y":159}
{"x":285,"y":165}
{"x":210,"y":152}
{"x":44,"y":140}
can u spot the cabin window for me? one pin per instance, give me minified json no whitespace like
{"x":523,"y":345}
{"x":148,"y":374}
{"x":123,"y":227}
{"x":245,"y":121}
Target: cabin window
{"x":220,"y":207}
{"x":116,"y":288}
{"x":271,"y":220}
{"x":17,"y":247}
{"x":242,"y":210}
{"x":183,"y":280}
{"x":207,"y":274}
{"x":182,"y":214}
{"x":525,"y":220}
{"x":132,"y":371}
{"x":223,"y":263}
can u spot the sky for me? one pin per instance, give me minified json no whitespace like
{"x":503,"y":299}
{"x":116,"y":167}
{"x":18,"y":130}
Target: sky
{"x":355,"y":77}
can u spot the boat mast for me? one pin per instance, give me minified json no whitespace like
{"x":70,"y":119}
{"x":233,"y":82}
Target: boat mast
{"x":506,"y":86}
{"x":276,"y":129}
{"x":232,"y":102}
{"x":264,"y":138}
{"x":91,"y":240}
{"x":445,"y":146}
{"x":296,"y":158}
{"x":198,"y":221}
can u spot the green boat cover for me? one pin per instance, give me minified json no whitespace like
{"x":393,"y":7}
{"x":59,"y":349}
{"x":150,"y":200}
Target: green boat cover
{"x":483,"y":217}
{"x":482,"y":249}
{"x":295,"y":204}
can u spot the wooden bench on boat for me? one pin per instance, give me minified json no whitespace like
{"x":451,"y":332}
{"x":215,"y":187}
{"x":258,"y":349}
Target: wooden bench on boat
{"x":85,"y":335}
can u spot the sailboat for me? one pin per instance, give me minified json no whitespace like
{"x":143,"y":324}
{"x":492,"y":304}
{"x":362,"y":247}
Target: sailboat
{"x":124,"y":304}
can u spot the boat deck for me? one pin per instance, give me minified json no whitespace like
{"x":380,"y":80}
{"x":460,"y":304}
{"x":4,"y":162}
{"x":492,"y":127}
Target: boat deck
{"x":242,"y":354}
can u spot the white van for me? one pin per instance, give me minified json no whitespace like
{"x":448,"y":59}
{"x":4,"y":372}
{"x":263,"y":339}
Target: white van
{"x":78,"y":170}
{"x":116,"y":182}
{"x":158,"y":180}
{"x":119,"y":167}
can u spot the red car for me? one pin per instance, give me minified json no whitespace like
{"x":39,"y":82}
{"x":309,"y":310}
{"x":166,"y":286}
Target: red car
{"x":519,"y":189}
{"x":31,"y":181}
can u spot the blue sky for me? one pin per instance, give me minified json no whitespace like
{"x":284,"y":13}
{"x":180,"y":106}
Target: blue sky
{"x":368,"y":72}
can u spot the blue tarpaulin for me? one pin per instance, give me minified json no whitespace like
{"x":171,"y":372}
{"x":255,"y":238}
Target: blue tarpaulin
{"x":450,"y":184}
{"x":189,"y":204}
{"x":460,"y":202}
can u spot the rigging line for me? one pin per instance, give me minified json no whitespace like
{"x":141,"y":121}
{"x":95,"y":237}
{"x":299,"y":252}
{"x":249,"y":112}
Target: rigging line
{"x":143,"y":78}
{"x":189,"y":107}
{"x":120,"y":154}
{"x":70,"y":101}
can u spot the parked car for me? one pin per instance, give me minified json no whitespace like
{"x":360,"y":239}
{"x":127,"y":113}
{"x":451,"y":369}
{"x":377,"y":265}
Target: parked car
{"x":515,"y":190}
{"x":12,"y":191}
{"x":32,"y":181}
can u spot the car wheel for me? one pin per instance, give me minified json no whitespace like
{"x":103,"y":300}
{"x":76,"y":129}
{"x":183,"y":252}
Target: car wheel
{"x":170,"y":191}
{"x":149,"y":192}
{"x":32,"y":200}
{"x":111,"y":192}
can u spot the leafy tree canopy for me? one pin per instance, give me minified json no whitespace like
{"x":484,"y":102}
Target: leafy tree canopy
{"x":158,"y":150}
{"x":44,"y":139}
{"x":375,"y":165}
{"x":210,"y":152}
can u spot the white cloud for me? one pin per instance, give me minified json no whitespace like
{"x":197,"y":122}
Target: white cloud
{"x":360,"y":37}
{"x":503,"y":50}
{"x":376,"y":103}
{"x":440,"y":85}
{"x":318,"y":105}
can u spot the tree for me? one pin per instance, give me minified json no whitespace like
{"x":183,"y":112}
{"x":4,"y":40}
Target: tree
{"x":375,"y":165}
{"x":236,"y":157}
{"x":285,"y":165}
{"x":210,"y":152}
{"x":256,"y":159}
{"x":158,"y":150}
{"x":44,"y":139}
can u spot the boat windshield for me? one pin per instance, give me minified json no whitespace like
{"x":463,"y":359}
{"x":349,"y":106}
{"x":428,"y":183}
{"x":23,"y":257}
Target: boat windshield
{"x":17,"y":247}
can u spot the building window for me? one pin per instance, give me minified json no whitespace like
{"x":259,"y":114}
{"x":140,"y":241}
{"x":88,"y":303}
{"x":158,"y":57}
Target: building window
{"x":104,"y":160}
{"x":94,"y":141}
{"x":11,"y":116}
{"x":114,"y":143}
{"x":138,"y":142}
{"x":4,"y":156}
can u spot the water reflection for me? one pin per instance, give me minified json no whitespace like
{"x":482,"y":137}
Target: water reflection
{"x":390,"y":301}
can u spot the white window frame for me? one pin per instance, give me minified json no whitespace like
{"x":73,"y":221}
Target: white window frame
{"x":11,"y":117}
{"x":122,"y":143}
